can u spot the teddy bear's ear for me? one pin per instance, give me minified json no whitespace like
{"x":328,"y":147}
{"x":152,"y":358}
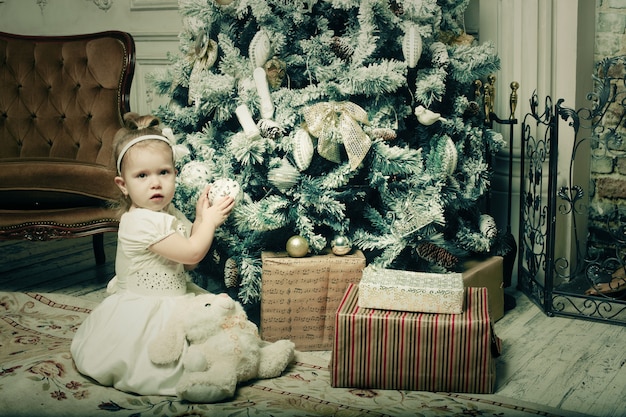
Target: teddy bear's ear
{"x":167,"y":346}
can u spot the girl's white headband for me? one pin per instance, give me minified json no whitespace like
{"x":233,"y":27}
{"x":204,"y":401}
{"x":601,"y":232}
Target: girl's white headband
{"x":134,"y":142}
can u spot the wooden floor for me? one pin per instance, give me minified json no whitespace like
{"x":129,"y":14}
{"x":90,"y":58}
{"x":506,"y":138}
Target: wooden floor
{"x":564,"y":363}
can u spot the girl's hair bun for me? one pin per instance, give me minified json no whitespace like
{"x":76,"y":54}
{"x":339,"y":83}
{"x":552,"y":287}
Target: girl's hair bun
{"x":133,"y":121}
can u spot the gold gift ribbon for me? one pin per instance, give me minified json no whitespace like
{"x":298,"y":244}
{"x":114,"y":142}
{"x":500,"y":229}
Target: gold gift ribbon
{"x":334,"y":123}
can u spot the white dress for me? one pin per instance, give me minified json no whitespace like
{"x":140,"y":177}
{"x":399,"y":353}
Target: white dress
{"x":111,"y":344}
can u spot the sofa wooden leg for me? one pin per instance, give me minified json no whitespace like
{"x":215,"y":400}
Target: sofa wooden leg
{"x":98,"y":248}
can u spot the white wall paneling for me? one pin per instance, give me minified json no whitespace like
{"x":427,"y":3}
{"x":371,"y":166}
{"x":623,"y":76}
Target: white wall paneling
{"x":152,"y":50}
{"x":544,"y":45}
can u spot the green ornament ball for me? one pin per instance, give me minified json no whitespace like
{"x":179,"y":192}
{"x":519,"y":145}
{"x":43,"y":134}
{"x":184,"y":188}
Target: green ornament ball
{"x":341,"y":245}
{"x":297,"y":246}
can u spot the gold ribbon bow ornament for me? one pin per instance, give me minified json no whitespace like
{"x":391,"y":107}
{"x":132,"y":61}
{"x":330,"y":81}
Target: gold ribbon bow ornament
{"x":336,"y":123}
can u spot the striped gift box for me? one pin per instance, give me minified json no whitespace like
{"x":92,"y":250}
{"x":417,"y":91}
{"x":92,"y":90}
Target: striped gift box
{"x":389,"y":349}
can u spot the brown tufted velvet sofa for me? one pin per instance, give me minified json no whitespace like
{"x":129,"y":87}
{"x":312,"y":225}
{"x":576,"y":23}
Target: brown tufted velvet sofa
{"x":61,"y":101}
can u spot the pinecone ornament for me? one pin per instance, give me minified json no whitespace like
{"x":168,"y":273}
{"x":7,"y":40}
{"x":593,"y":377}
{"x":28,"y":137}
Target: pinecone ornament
{"x":341,"y":48}
{"x":270,"y":129}
{"x":384,"y":133}
{"x":231,"y":273}
{"x":473,"y":109}
{"x":437,"y":255}
{"x":396,"y":8}
{"x":487,"y":226}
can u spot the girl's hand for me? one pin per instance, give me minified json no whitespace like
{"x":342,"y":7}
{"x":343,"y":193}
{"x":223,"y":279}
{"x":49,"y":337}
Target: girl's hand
{"x":220,"y":211}
{"x":217,"y":213}
{"x":190,"y":251}
{"x":203,"y":203}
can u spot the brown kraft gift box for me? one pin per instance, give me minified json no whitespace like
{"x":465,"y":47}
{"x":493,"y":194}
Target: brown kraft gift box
{"x":300,"y":296}
{"x":388,"y":349}
{"x":487,"y":273}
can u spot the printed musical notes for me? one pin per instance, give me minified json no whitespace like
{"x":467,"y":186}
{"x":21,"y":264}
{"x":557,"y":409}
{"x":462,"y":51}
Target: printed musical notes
{"x":300,"y":296}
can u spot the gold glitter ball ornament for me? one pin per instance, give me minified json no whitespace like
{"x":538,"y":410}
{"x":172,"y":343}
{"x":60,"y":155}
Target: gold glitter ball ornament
{"x":297,"y":246}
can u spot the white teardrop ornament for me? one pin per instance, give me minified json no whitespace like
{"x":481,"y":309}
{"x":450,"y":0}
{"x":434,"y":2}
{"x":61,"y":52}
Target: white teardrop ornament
{"x":412,"y":46}
{"x":450,"y":156}
{"x":302,"y":149}
{"x":260,"y":49}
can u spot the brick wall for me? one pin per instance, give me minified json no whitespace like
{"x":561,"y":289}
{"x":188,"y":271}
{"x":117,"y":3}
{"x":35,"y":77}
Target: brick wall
{"x":608,"y":174}
{"x":610,"y":28}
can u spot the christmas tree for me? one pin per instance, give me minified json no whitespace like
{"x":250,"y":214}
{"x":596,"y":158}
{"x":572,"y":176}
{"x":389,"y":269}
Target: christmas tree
{"x":356,"y":120}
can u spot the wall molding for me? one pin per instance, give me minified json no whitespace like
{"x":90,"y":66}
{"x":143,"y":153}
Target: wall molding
{"x":103,"y":4}
{"x":155,"y":36}
{"x":144,"y":5}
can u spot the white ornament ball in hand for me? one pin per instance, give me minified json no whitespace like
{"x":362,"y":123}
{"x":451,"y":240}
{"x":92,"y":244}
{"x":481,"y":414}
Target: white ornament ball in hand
{"x":224,"y":187}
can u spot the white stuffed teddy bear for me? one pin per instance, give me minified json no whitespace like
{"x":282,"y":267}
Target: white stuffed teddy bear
{"x":224,"y":348}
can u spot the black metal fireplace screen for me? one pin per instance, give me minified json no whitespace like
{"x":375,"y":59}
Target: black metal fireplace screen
{"x":572,"y":234}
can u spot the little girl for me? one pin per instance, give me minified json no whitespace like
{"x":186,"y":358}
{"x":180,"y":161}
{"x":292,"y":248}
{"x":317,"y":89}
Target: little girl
{"x":156,"y":243}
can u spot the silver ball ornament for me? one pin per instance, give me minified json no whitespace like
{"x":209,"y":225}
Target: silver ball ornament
{"x":341,"y":245}
{"x":297,"y":246}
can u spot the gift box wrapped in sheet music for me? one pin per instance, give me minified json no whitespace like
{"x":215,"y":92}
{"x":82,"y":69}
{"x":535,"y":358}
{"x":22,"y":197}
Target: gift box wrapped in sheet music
{"x":300,"y":296}
{"x":390,"y":289}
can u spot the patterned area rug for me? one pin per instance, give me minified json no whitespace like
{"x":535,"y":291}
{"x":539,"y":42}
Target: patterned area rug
{"x":37,"y":378}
